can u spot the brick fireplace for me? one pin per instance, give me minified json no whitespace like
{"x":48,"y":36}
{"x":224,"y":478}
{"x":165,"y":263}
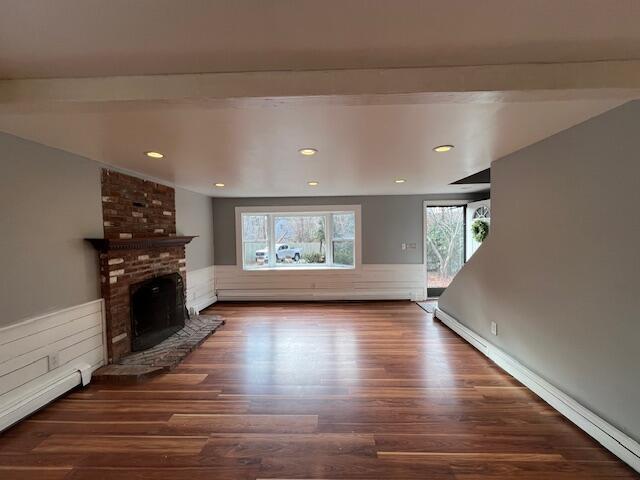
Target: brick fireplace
{"x":139,"y":243}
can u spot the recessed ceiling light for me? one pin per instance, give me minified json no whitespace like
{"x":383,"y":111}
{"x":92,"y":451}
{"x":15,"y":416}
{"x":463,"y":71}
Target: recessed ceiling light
{"x":220,"y":185}
{"x":443,"y":148}
{"x":313,"y":183}
{"x":154,"y":154}
{"x":308,"y":151}
{"x":399,"y":180}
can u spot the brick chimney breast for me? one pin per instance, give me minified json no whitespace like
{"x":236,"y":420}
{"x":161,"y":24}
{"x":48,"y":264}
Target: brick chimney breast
{"x":134,"y":208}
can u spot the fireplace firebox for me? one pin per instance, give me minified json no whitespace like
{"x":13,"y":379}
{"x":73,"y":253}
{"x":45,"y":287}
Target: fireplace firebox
{"x":157,"y":310}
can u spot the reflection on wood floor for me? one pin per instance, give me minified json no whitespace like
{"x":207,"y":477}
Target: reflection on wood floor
{"x":371,"y":390}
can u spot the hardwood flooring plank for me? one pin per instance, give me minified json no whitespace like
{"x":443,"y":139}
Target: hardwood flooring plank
{"x":178,"y":379}
{"x":49,"y":427}
{"x":20,"y":440}
{"x":164,"y":473}
{"x":105,"y":415}
{"x":245,"y":423}
{"x":289,"y":445}
{"x":145,"y":460}
{"x":37,"y":461}
{"x":335,"y":390}
{"x":349,"y":467}
{"x":462,"y":443}
{"x":84,"y":444}
{"x":132,"y":394}
{"x":35,"y":473}
{"x":150,"y":406}
{"x":475,"y":456}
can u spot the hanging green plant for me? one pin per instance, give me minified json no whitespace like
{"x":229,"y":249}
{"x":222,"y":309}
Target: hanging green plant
{"x":480,"y":230}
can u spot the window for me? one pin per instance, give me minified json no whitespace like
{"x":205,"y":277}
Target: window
{"x":481,"y":212}
{"x":254,"y":239}
{"x":344,"y":238}
{"x":299,"y":237}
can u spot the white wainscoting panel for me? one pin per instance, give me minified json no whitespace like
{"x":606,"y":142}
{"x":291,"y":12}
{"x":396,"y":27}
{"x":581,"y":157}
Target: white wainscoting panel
{"x":617,"y":442}
{"x":43,"y":357}
{"x":369,"y":282}
{"x":200,"y":288}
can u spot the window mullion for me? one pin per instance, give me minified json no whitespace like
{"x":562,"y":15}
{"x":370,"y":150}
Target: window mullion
{"x":272,"y":241}
{"x":328,"y":241}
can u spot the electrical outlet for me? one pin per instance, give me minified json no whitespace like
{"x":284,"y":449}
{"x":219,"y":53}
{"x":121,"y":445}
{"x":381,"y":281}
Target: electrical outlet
{"x":54,"y":360}
{"x":494,"y":328}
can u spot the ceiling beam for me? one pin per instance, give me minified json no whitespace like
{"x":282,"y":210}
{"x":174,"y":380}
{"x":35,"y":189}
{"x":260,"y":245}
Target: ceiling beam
{"x":487,"y":83}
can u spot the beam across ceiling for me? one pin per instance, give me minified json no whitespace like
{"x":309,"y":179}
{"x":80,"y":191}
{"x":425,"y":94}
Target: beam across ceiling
{"x":486,"y":83}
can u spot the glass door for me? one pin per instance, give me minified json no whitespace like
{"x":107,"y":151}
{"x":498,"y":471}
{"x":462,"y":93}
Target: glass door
{"x":445,"y":246}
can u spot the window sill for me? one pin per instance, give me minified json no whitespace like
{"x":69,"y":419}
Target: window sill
{"x":305,"y":268}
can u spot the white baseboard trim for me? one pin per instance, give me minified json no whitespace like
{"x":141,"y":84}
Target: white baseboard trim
{"x":46,"y":393}
{"x":44,"y":357}
{"x":202,"y":303}
{"x":617,"y":442}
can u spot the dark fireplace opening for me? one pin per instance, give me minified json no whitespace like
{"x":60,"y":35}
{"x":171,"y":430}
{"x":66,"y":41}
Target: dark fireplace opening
{"x":157,"y":310}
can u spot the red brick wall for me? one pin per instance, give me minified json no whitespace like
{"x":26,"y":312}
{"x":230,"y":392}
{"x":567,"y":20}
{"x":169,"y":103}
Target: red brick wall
{"x":134,"y":208}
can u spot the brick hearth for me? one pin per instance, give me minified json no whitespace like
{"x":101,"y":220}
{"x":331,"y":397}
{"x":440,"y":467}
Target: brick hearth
{"x":141,"y":366}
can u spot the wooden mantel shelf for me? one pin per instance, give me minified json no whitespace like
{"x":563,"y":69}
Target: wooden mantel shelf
{"x":140,"y":243}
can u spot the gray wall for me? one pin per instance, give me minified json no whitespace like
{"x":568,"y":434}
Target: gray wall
{"x":387,"y":222}
{"x":194,"y":216}
{"x":560,"y":271}
{"x":49,"y":202}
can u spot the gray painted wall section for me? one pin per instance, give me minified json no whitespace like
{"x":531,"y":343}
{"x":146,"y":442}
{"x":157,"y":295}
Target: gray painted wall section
{"x":560,"y":271}
{"x":49,"y":202}
{"x":194,"y":216}
{"x":387,"y":222}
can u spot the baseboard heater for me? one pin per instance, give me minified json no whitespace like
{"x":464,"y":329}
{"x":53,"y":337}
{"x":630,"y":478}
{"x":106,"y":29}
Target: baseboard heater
{"x":41,"y":395}
{"x":617,"y":442}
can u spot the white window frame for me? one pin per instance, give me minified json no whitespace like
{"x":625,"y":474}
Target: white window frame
{"x":327,"y":210}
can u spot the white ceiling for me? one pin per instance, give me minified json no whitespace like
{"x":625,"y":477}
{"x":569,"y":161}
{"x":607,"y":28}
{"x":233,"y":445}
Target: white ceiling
{"x":254,"y":150}
{"x":69,"y":38}
{"x":364,"y":143}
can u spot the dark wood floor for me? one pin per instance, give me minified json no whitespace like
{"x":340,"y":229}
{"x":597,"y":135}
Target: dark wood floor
{"x":323,"y":391}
